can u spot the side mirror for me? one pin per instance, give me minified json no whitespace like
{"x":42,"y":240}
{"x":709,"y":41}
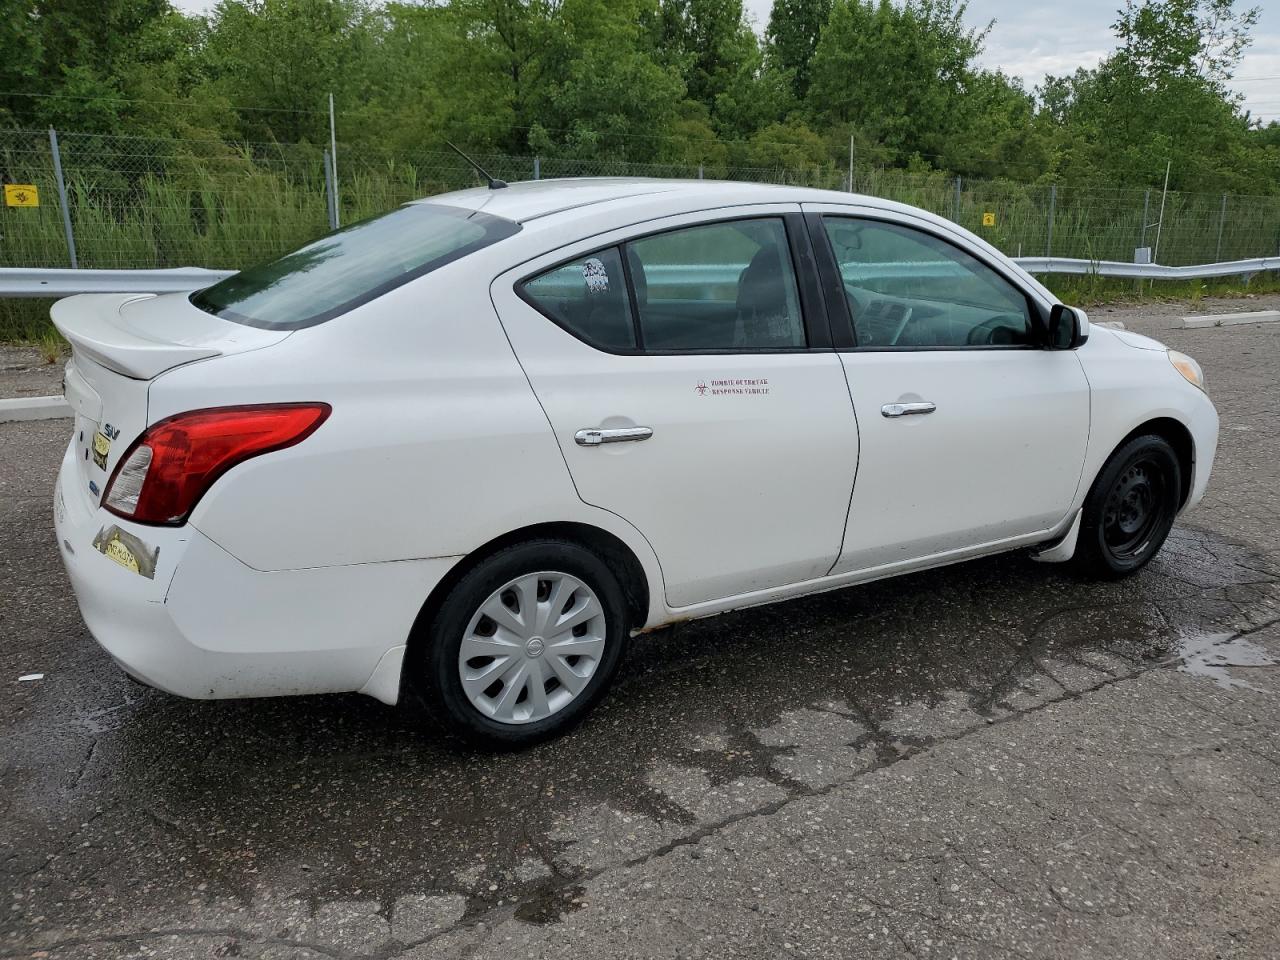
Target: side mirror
{"x":1068,"y":327}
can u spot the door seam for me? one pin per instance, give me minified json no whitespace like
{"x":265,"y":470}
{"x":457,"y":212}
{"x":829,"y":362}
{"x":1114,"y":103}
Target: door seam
{"x":857,"y":465}
{"x":560,"y":449}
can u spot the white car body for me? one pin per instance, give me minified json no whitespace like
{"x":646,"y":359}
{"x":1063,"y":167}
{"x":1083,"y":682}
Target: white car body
{"x":455,"y":405}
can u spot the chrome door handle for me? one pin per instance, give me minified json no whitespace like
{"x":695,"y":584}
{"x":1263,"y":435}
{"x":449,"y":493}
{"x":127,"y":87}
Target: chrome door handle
{"x":596,"y":436}
{"x":907,"y":409}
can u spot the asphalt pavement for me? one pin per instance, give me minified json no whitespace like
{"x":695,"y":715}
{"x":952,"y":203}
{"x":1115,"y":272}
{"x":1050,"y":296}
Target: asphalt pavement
{"x":986,"y":761}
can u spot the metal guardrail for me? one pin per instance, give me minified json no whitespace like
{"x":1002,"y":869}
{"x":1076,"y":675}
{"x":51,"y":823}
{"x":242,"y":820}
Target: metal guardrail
{"x":1148,"y":271}
{"x":37,"y":282}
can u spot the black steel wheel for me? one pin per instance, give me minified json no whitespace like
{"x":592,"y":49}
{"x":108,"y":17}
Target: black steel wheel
{"x":1130,"y":508}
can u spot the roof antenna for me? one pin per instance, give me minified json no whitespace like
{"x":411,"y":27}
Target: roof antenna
{"x":494,"y":182}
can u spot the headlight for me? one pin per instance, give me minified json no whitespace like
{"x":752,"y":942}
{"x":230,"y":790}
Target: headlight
{"x":1188,"y":368}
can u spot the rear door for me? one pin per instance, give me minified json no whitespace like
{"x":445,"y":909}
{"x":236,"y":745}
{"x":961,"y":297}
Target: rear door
{"x":973,"y":435}
{"x":686,"y":370}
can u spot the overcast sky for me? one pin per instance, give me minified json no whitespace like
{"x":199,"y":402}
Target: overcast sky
{"x":1033,"y":37}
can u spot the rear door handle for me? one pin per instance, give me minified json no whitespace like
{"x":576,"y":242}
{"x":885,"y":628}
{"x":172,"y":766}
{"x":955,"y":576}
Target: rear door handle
{"x":907,"y":409}
{"x":595,"y":436}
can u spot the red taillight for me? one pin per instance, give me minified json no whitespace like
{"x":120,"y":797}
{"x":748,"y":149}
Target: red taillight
{"x":168,"y":469}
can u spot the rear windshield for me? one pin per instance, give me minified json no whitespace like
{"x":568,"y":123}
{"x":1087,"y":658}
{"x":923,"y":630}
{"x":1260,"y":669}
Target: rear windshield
{"x":351,"y":266}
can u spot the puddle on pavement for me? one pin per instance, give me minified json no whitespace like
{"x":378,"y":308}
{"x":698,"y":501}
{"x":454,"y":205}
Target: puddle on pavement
{"x":1210,"y":654}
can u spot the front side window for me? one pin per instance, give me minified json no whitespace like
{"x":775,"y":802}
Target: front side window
{"x":908,"y":289}
{"x":351,"y":266}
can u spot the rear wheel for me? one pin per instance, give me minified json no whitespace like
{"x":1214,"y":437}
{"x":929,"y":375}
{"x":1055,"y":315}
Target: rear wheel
{"x":526,"y":643}
{"x":1130,"y":509}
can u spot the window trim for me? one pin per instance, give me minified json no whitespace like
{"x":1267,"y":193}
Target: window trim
{"x":813,"y":311}
{"x":842,"y":329}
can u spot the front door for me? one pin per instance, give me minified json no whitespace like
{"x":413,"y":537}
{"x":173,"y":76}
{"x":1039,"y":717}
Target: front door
{"x":675,"y":364}
{"x":972,"y":434}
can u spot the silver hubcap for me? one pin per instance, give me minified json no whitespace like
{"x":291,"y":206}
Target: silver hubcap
{"x":532,"y":647}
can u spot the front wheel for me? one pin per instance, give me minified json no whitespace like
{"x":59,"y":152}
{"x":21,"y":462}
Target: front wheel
{"x":526,"y":643}
{"x":1130,"y":509}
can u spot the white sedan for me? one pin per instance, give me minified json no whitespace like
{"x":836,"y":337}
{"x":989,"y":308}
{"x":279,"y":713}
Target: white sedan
{"x":475,"y":444}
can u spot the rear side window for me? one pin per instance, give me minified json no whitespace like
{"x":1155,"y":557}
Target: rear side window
{"x":588,"y":297}
{"x":351,"y":266}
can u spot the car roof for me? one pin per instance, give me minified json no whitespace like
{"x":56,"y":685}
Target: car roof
{"x":598,"y":204}
{"x":531,"y":199}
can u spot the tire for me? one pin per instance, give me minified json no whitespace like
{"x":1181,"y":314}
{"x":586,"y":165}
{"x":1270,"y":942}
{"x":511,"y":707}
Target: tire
{"x":1130,"y":509}
{"x":538,"y":705}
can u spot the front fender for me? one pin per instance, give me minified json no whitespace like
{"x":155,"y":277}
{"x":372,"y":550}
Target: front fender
{"x":1132,"y":383}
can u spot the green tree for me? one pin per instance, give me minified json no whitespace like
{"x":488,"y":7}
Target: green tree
{"x":1160,"y":39}
{"x":575,"y":78}
{"x":788,"y":146}
{"x":21,"y":53}
{"x":1161,"y":99}
{"x":91,"y":34}
{"x":682,"y":81}
{"x":709,"y":41}
{"x":609,"y":94}
{"x":792,"y":37}
{"x":757,"y":96}
{"x":278,"y":60}
{"x":609,"y":104}
{"x":163,"y":80}
{"x":995,"y":133}
{"x":506,"y":49}
{"x":406,"y":95}
{"x":65,"y":59}
{"x":899,"y":74}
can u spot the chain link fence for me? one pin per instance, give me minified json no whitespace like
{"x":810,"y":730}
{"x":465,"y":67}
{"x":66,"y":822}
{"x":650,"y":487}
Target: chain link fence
{"x":136,"y":202}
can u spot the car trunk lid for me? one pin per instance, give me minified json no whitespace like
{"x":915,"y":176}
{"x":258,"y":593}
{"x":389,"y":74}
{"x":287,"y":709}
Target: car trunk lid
{"x":119,"y":344}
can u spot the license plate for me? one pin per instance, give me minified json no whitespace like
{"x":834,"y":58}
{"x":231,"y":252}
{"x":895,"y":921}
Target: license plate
{"x":118,"y":552}
{"x":127,"y":550}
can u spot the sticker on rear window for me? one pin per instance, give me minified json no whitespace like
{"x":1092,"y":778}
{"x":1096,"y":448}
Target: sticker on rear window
{"x":596,"y":275}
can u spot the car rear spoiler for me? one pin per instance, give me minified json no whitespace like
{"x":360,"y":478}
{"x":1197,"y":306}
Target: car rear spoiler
{"x":94,"y":325}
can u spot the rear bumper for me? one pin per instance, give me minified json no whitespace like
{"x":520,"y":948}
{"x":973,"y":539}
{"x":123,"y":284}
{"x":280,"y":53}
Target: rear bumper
{"x":196,"y":622}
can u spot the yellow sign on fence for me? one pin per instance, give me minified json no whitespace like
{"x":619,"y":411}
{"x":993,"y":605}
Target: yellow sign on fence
{"x":988,"y":219}
{"x":21,"y":195}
